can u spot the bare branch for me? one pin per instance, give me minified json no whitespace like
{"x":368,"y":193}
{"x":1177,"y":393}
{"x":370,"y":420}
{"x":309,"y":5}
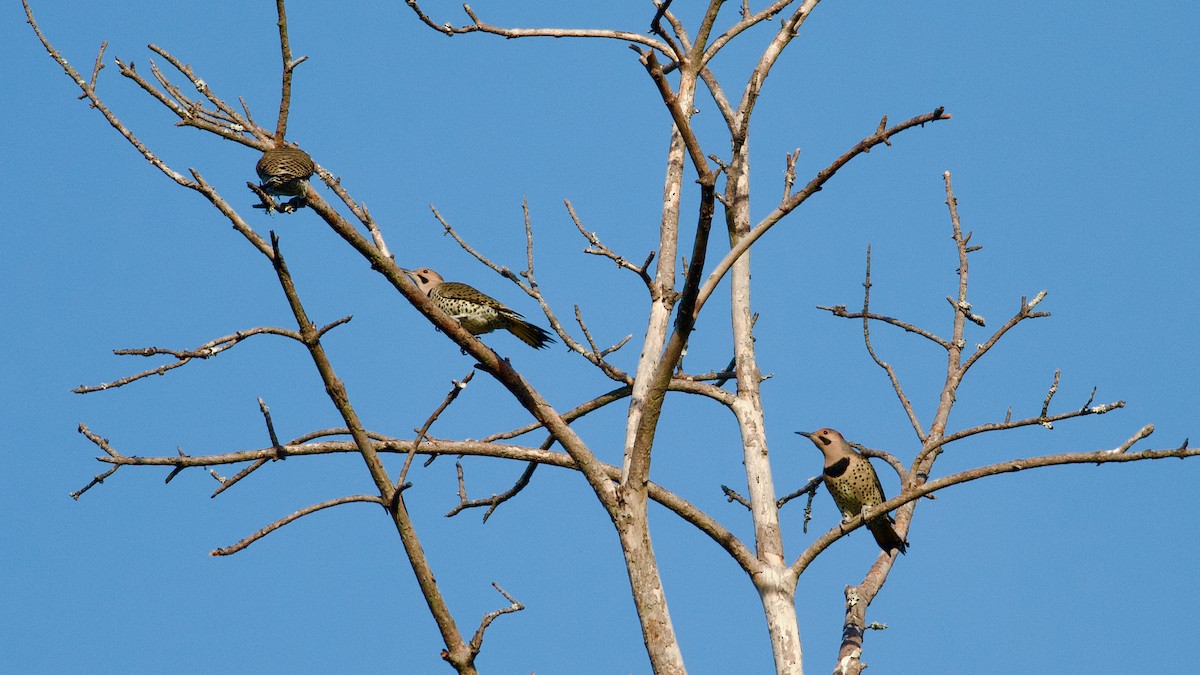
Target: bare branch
{"x":1050,"y":395}
{"x":234,"y":121}
{"x":477,"y":640}
{"x":496,"y":499}
{"x":1044,"y":420}
{"x":887,"y":368}
{"x":230,"y":550}
{"x":502,"y":271}
{"x":96,"y":480}
{"x":748,"y":20}
{"x":226,"y":483}
{"x":1024,"y":312}
{"x":101,"y":443}
{"x":1119,"y":454}
{"x":99,"y":65}
{"x":842,"y":312}
{"x":480,"y":26}
{"x":681,"y":507}
{"x":681,"y":117}
{"x":790,"y":204}
{"x":285,"y":98}
{"x":457,"y":387}
{"x":183,"y":356}
{"x":598,"y":248}
{"x":280,"y":453}
{"x":732,"y":495}
{"x":789,"y":173}
{"x":809,"y":488}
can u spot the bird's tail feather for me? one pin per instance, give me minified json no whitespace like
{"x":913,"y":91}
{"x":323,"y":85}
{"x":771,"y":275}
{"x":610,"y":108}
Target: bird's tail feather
{"x":530,"y":334}
{"x":886,"y":535}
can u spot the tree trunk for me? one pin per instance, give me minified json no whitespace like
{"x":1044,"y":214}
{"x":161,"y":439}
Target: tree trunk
{"x":648,"y":596}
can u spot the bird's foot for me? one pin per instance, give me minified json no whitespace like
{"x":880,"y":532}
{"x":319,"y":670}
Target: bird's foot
{"x":292,"y":205}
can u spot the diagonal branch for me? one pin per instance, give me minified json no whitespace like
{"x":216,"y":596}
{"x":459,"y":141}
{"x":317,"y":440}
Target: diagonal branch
{"x":495,"y":500}
{"x":457,"y":387}
{"x":679,"y":116}
{"x":798,"y":198}
{"x":887,"y":368}
{"x":598,"y":248}
{"x":1116,"y":455}
{"x":477,"y":640}
{"x":240,"y":545}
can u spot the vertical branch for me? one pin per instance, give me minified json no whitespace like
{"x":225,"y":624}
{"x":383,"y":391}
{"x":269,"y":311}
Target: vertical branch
{"x":859,"y":597}
{"x":887,"y":367}
{"x":639,"y":456}
{"x":775,"y":586}
{"x":954,"y":368}
{"x":758,"y":76}
{"x":662,"y":291}
{"x":285,"y":98}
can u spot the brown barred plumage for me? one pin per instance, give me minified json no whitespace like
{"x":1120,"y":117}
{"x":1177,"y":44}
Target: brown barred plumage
{"x":476,"y":311}
{"x":284,"y":171}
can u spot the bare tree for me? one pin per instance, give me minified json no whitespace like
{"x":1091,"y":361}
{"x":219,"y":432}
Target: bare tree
{"x":676,"y":59}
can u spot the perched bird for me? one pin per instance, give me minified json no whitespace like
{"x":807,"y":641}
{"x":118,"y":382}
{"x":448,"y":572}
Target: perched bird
{"x":854,"y":486}
{"x":477,"y":312}
{"x":284,"y":171}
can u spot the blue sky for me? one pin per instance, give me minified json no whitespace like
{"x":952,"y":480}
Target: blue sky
{"x":1074,"y":164}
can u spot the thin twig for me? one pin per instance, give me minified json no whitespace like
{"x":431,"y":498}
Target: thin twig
{"x":226,"y":483}
{"x":183,"y":356}
{"x":596,"y":247}
{"x":99,"y":65}
{"x":478,"y":25}
{"x":457,"y":387}
{"x":841,"y":312}
{"x":1050,"y":395}
{"x":732,"y":495}
{"x":790,"y":204}
{"x":887,"y":368}
{"x":809,"y":488}
{"x":96,"y":480}
{"x":999,"y":468}
{"x":230,"y":550}
{"x":496,"y":499}
{"x":477,"y":640}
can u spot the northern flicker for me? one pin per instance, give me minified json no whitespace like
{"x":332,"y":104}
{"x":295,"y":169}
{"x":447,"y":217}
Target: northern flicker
{"x":284,"y":171}
{"x":476,"y":311}
{"x":854,"y":485}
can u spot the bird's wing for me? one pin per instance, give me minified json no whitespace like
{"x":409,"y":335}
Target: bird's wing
{"x":453,"y":290}
{"x":875,"y":475}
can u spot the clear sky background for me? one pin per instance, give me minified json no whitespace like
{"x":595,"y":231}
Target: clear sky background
{"x":1074,"y":158}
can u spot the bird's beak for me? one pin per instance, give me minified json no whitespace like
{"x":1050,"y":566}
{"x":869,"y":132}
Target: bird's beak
{"x":805,"y":434}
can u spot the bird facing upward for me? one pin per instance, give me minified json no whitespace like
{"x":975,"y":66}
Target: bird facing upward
{"x":476,"y":311}
{"x":854,"y":485}
{"x":284,"y":171}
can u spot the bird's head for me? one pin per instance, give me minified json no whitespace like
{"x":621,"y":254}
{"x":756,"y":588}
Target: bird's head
{"x":425,"y":279}
{"x":829,"y":442}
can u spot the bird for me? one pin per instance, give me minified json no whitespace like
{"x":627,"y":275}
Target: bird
{"x":854,"y":485}
{"x":284,"y":171}
{"x":478,"y":312}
